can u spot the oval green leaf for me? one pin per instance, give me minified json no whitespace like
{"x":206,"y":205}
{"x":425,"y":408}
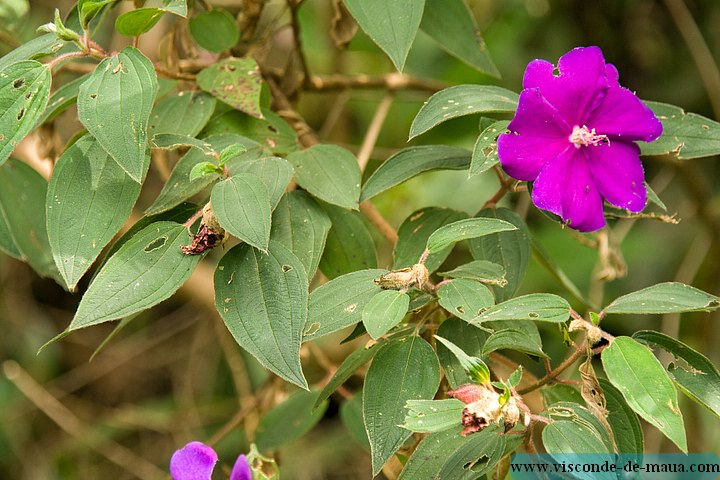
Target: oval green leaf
{"x":389,"y":23}
{"x":235,"y":81}
{"x":413,"y":161}
{"x":146,"y":270}
{"x":466,"y":337}
{"x":541,"y":307}
{"x":669,"y":297}
{"x":465,"y":298}
{"x":514,"y":339}
{"x":329,"y":173}
{"x":479,"y":270}
{"x":215,"y":31}
{"x":84,"y":215}
{"x":462,"y":100}
{"x":242,"y":207}
{"x":625,"y":424}
{"x":340,"y":302}
{"x":184,"y":113}
{"x":349,"y":246}
{"x":262,"y":299}
{"x":302,"y":225}
{"x":274,"y":172}
{"x":24,"y":94}
{"x":685,"y":135}
{"x":404,"y":370}
{"x":427,"y":416}
{"x":114,"y":104}
{"x":138,"y":21}
{"x":448,"y":235}
{"x":633,"y":369}
{"x":484,"y":155}
{"x":384,"y":310}
{"x":566,"y":436}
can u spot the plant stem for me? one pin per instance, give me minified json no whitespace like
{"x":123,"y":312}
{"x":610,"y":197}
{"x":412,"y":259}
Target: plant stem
{"x":567,"y":363}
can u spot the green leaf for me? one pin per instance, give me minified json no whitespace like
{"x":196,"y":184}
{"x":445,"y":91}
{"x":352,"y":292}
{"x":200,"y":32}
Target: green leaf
{"x":633,"y":369}
{"x":84,"y":215}
{"x":583,"y":416}
{"x":480,"y":271}
{"x":652,"y":197}
{"x":177,"y":7}
{"x":114,"y":104}
{"x":470,"y":339}
{"x":475,"y":457}
{"x":263,"y":300}
{"x":61,"y":99}
{"x":233,"y":151}
{"x":24,"y":93}
{"x":541,"y":307}
{"x":302,"y":225}
{"x":465,"y":299}
{"x":347,"y":368}
{"x":462,"y":100}
{"x":242,"y":207}
{"x":174,"y":141}
{"x":450,"y":23}
{"x":413,"y":235}
{"x":389,"y":23}
{"x":289,"y":421}
{"x":22,"y":208}
{"x":434,"y":450}
{"x":88,"y":9}
{"x":274,"y":172}
{"x":625,"y":425}
{"x":514,"y":339}
{"x":427,"y":416}
{"x":351,"y":414}
{"x":669,"y":297}
{"x":329,"y":173}
{"x":510,"y":249}
{"x":384,"y":310}
{"x":349,"y":246}
{"x":215,"y":31}
{"x":484,"y":155}
{"x":450,"y":234}
{"x":404,"y":370}
{"x":146,"y":270}
{"x":685,"y":135}
{"x":42,"y":45}
{"x":178,"y":186}
{"x":235,"y":81}
{"x":184,"y":113}
{"x":340,"y":302}
{"x":138,"y":21}
{"x":691,"y":371}
{"x":566,"y":436}
{"x":7,"y":242}
{"x":476,"y":369}
{"x":205,"y":168}
{"x":561,"y":393}
{"x":413,"y":161}
{"x":272,"y":132}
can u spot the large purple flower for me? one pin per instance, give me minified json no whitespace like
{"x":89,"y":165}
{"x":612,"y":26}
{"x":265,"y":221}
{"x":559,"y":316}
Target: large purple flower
{"x":573,"y":135}
{"x":196,"y":461}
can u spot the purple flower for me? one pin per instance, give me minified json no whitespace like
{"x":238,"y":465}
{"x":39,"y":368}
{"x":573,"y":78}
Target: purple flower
{"x":573,"y":135}
{"x":196,"y":461}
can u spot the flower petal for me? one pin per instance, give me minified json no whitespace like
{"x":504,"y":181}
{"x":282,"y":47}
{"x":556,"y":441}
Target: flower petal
{"x":565,"y":187}
{"x":241,"y":469}
{"x":543,"y":134}
{"x":622,"y":115}
{"x":618,"y":174}
{"x":195,"y":461}
{"x":579,"y":87}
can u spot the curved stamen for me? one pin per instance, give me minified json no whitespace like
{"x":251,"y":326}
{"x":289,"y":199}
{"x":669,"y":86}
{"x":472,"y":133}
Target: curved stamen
{"x":583,"y":136}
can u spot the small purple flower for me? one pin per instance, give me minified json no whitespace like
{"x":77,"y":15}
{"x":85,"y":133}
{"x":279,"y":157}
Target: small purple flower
{"x":573,"y":135}
{"x":196,"y":461}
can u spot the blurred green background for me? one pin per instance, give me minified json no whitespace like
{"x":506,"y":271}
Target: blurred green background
{"x":163,"y":380}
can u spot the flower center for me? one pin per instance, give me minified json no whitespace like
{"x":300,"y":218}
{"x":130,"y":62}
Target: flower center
{"x":583,"y":136}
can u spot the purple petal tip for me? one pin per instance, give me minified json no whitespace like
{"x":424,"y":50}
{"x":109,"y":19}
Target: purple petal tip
{"x":195,"y":461}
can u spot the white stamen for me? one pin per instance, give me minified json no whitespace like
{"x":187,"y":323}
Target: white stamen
{"x":583,"y":136}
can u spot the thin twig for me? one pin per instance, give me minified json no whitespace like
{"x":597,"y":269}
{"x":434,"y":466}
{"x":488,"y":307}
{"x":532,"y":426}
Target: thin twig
{"x":567,"y":363}
{"x":383,"y":226}
{"x":373,"y":131}
{"x":390,"y":82}
{"x":294,"y":6}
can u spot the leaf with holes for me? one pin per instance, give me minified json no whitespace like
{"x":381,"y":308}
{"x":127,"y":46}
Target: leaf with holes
{"x":329,"y":173}
{"x":263,"y":301}
{"x":242,"y":206}
{"x":514,"y":339}
{"x":184,"y":113}
{"x":541,"y":307}
{"x":235,"y":81}
{"x":669,"y":297}
{"x":402,"y":370}
{"x":84,"y":215}
{"x":340,"y":302}
{"x":413,"y":161}
{"x":302,"y":225}
{"x":427,"y":416}
{"x":24,"y":93}
{"x":146,"y":270}
{"x":447,"y":235}
{"x":22,"y":208}
{"x":384,"y":310}
{"x":479,"y":270}
{"x":114,"y":104}
{"x":633,"y":369}
{"x":484,"y":155}
{"x":462,"y":100}
{"x":477,"y":455}
{"x":465,"y":298}
{"x":685,"y":135}
{"x":389,"y":23}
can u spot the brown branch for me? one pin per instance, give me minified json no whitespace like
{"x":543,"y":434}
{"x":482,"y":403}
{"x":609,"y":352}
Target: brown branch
{"x":567,"y":363}
{"x":294,"y":5}
{"x":373,"y":131}
{"x":383,"y":226}
{"x":390,"y":82}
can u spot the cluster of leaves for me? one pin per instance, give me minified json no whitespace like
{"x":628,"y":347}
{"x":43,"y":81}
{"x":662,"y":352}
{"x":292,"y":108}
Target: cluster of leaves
{"x":293,"y":209}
